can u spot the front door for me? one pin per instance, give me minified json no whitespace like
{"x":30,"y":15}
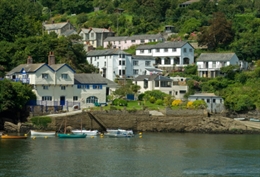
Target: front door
{"x":62,"y":100}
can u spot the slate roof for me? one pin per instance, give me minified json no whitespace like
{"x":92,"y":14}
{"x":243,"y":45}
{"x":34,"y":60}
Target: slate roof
{"x":69,"y":32}
{"x":143,"y":57}
{"x":154,"y":69}
{"x":154,"y":77}
{"x":96,"y":30}
{"x":204,"y":95}
{"x":116,"y":38}
{"x":106,"y":52}
{"x":93,"y":79}
{"x":178,"y":44}
{"x":56,"y":67}
{"x":215,"y":56}
{"x":55,"y":26}
{"x":29,"y":68}
{"x":189,"y":2}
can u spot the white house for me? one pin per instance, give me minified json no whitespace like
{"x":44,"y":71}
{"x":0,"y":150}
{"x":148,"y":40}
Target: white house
{"x":179,"y":87}
{"x":125,"y":42}
{"x":112,"y":63}
{"x":215,"y":104}
{"x":94,"y":36}
{"x":209,"y":64}
{"x":61,"y":29}
{"x":59,"y":85}
{"x":143,"y":65}
{"x":154,"y":82}
{"x":168,"y":54}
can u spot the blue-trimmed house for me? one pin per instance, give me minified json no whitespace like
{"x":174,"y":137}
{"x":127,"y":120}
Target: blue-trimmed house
{"x":59,"y":85}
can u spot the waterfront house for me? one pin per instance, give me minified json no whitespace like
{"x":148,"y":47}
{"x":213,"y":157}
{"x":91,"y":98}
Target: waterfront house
{"x":59,"y":85}
{"x":215,"y":104}
{"x":209,"y":64}
{"x":168,"y":55}
{"x":112,"y":63}
{"x":143,"y":65}
{"x":125,"y":42}
{"x":179,"y":87}
{"x":61,"y":29}
{"x":94,"y":36}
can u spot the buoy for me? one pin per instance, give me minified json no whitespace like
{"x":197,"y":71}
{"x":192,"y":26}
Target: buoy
{"x":140,"y":136}
{"x":33,"y":137}
{"x":25,"y":134}
{"x":140,"y":133}
{"x":46,"y":137}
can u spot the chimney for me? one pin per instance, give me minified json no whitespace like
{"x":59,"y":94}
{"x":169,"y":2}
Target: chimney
{"x":29,"y":60}
{"x":51,"y":58}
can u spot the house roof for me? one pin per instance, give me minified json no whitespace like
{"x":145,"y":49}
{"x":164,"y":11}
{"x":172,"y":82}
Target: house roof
{"x":178,"y":44}
{"x":134,"y":37}
{"x":55,"y":26}
{"x":142,"y":57}
{"x":154,"y":70}
{"x":190,"y":2}
{"x":116,"y":38}
{"x":69,"y":32}
{"x":56,"y":67}
{"x":106,"y":52}
{"x":28,"y":68}
{"x":215,"y":56}
{"x":204,"y":95}
{"x":96,"y":30}
{"x":152,"y":77}
{"x":93,"y":79}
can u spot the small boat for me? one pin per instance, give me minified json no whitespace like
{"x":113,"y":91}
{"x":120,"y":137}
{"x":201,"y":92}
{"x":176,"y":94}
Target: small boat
{"x":64,"y":135}
{"x":240,"y":119}
{"x":87,"y":132}
{"x":42,"y":133}
{"x":254,"y":120}
{"x":119,"y":133}
{"x":13,"y":137}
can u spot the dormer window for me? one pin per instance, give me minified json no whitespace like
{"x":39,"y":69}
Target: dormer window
{"x":64,"y":76}
{"x":45,"y":76}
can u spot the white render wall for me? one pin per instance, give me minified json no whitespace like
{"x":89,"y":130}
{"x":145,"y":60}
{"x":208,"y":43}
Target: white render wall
{"x":141,"y":66}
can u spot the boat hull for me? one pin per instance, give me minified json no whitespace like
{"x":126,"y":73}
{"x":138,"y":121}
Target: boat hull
{"x":13,"y":137}
{"x":42,"y":133}
{"x":119,"y":133}
{"x":87,"y":132}
{"x":254,"y":120}
{"x":61,"y":135}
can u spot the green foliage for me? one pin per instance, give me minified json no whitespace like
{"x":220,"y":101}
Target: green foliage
{"x":152,"y":99}
{"x":199,"y":104}
{"x":168,"y":99}
{"x":141,"y":96}
{"x":157,"y":94}
{"x":159,"y":102}
{"x":41,"y":122}
{"x":119,"y":102}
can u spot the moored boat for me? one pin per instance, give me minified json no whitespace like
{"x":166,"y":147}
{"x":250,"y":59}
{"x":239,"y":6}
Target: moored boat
{"x":64,"y":135}
{"x":254,"y":120}
{"x":119,"y":133}
{"x":13,"y":137}
{"x":42,"y":133}
{"x":240,"y":118}
{"x":87,"y":132}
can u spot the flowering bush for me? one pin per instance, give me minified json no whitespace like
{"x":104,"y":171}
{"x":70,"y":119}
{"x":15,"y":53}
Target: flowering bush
{"x":176,"y":102}
{"x":190,"y":104}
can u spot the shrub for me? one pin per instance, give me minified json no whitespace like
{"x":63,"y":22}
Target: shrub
{"x":122,"y":102}
{"x":112,"y":108}
{"x":141,"y":97}
{"x":199,"y":104}
{"x":159,"y":102}
{"x":152,"y":100}
{"x":41,"y":121}
{"x":115,"y":102}
{"x":176,"y":103}
{"x":190,"y":105}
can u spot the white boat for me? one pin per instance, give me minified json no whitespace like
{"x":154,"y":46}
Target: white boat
{"x":254,"y":120}
{"x":240,"y":118}
{"x":87,"y":132}
{"x":119,"y":133}
{"x":42,"y":133}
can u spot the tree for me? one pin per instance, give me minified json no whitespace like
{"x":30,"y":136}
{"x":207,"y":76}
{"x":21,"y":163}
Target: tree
{"x":219,"y":33}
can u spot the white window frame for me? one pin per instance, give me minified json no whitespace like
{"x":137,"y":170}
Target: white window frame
{"x":63,"y":87}
{"x":64,"y":76}
{"x":45,"y":75}
{"x":45,"y":87}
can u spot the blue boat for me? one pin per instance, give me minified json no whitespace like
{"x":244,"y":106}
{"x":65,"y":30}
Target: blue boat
{"x":254,"y":120}
{"x":63,"y":135}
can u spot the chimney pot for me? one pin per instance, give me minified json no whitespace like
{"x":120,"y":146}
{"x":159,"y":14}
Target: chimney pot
{"x":51,"y":58}
{"x":29,"y":60}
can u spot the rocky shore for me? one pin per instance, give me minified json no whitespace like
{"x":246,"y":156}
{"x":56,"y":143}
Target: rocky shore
{"x":143,"y":121}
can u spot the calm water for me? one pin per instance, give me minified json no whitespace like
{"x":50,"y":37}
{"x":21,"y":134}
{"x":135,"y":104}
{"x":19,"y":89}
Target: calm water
{"x":153,"y":155}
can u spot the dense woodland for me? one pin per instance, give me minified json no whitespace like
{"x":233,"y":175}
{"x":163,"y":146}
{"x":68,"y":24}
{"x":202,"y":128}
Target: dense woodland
{"x":221,"y":25}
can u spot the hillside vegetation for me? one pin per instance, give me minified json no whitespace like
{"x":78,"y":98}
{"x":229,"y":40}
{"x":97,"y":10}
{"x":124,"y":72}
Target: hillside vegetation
{"x":223,"y":25}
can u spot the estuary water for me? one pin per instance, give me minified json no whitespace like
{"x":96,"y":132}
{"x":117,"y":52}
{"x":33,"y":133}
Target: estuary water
{"x":152,"y":155}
